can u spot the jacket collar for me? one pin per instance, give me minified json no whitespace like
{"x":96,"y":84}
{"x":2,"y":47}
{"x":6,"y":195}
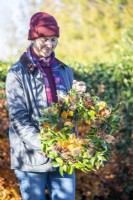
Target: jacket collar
{"x":26,"y":62}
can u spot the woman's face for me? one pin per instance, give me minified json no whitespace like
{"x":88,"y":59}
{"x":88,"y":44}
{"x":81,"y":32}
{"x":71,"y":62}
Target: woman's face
{"x":44,"y":46}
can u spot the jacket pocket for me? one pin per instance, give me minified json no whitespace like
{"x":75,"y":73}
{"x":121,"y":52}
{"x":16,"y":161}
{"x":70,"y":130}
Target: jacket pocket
{"x":32,"y":157}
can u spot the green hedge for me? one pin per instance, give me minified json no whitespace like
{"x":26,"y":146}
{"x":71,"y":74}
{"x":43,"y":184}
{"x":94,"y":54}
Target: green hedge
{"x":3,"y":70}
{"x":113,"y":81}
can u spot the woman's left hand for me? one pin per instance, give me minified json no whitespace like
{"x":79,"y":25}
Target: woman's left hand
{"x":79,"y":85}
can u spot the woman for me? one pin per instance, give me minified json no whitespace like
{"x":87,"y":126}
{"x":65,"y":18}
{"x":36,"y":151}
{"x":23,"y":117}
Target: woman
{"x":32,"y":84}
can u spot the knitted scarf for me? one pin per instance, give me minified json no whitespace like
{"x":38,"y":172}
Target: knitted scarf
{"x":41,"y":63}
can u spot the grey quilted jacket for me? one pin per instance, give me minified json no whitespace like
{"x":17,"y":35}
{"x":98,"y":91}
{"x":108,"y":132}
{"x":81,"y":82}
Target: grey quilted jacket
{"x":26,"y":97}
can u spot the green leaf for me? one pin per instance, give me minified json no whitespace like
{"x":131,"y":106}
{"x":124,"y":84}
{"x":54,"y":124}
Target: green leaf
{"x":85,"y":116}
{"x":63,"y":136}
{"x":92,"y":160}
{"x":55,"y":164}
{"x":43,"y":119}
{"x":78,"y":165}
{"x":89,"y":166}
{"x":53,"y":155}
{"x":44,"y":148}
{"x":65,"y":168}
{"x":97,"y":108}
{"x":102,"y":158}
{"x":97,"y":164}
{"x":104,"y":145}
{"x":61,"y":171}
{"x":60,"y":161}
{"x":69,"y":162}
{"x":92,"y":113}
{"x":85,"y":155}
{"x":70,"y":169}
{"x":50,"y":141}
{"x":46,"y":141}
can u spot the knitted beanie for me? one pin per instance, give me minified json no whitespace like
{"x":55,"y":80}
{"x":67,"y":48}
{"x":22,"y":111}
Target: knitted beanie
{"x":42,"y":25}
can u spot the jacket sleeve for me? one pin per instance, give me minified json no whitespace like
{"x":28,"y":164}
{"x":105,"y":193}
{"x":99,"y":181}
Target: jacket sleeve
{"x":71,"y":78}
{"x":18,"y":112}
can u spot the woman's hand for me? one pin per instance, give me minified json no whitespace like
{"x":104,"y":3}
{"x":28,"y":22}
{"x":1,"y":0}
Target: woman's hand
{"x":79,"y":85}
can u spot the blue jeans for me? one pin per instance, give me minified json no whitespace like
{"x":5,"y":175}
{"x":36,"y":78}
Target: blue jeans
{"x":32,"y":185}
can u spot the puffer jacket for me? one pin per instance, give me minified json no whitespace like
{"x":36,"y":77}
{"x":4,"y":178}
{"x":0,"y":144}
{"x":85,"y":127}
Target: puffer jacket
{"x":26,"y":97}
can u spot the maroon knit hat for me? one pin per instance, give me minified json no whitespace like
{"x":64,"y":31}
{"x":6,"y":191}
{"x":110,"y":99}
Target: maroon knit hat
{"x":43,"y":25}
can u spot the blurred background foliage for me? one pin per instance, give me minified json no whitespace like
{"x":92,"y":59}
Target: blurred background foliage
{"x":97,"y":42}
{"x":90,"y":29}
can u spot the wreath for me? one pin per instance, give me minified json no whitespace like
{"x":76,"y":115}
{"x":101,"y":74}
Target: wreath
{"x":78,"y":132}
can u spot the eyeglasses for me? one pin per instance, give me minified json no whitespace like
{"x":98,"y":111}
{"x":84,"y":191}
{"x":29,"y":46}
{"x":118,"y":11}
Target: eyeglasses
{"x":48,"y":39}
